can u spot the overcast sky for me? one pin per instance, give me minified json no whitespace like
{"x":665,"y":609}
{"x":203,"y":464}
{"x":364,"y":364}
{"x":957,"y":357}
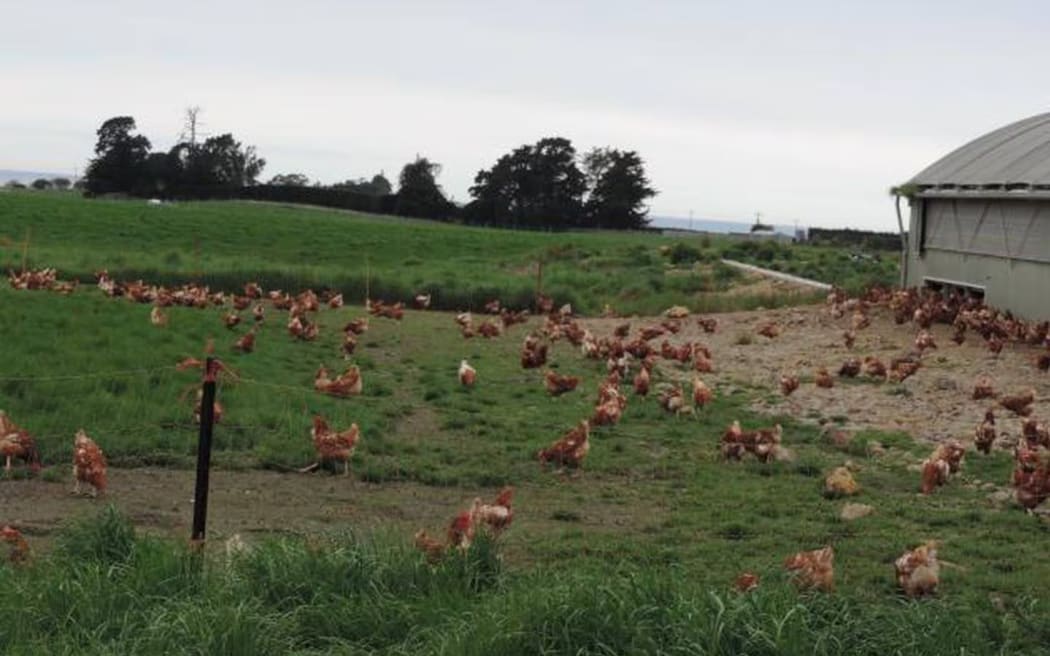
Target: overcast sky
{"x":802,"y":110}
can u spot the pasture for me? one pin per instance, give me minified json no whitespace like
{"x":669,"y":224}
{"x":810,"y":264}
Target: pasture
{"x":635,"y":553}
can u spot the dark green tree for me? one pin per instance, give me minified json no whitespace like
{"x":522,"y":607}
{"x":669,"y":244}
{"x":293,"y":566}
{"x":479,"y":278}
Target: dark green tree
{"x":536,"y":185}
{"x":119,"y":157}
{"x":418,"y":192}
{"x":619,"y":189}
{"x":61,"y":183}
{"x":41,"y":184}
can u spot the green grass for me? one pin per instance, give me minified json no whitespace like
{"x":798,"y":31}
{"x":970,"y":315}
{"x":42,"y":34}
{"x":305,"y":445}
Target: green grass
{"x":116,"y":593}
{"x":224,"y":244}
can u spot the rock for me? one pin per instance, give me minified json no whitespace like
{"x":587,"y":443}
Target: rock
{"x":840,"y":483}
{"x":852,"y":511}
{"x":1001,"y":496}
{"x":946,"y":385}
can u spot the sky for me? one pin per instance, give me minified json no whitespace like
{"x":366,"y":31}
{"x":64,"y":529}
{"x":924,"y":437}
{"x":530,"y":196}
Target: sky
{"x":805,"y":111}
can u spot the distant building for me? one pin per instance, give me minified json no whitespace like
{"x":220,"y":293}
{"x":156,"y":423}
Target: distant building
{"x":980,"y":219}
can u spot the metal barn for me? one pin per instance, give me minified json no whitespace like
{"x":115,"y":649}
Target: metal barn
{"x":980,"y":219}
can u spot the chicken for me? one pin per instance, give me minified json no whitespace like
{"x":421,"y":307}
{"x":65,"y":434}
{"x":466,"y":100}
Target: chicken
{"x":959,"y":334}
{"x":649,"y":333}
{"x":813,"y":570}
{"x":952,"y":452}
{"x":622,"y":330}
{"x":258,"y":312}
{"x":336,"y":302}
{"x":433,"y":549}
{"x":823,"y":379}
{"x":467,"y":374}
{"x":497,"y":515}
{"x":16,"y":443}
{"x":673,"y":400}
{"x":770,"y":330}
{"x":610,"y":403}
{"x":746,"y":582}
{"x":788,"y":384}
{"x":702,"y":364}
{"x":924,"y":341}
{"x":253,"y":291}
{"x":348,"y":384}
{"x":493,"y":306}
{"x":246,"y":343}
{"x":158,"y":317}
{"x":544,"y":304}
{"x":357,"y":326}
{"x":918,"y":570}
{"x":902,"y":369}
{"x":850,"y":368}
{"x":533,"y":353}
{"x":934,"y":474}
{"x":231,"y":319}
{"x":763,"y":443}
{"x":1042,"y":362}
{"x":19,"y":552}
{"x":708,"y":325}
{"x":332,"y":446}
{"x":1035,"y":434}
{"x":840,"y":483}
{"x":860,"y":321}
{"x":461,"y":530}
{"x":874,"y":367}
{"x":217,"y":410}
{"x":349,"y":344}
{"x":849,"y":338}
{"x":995,"y":345}
{"x":984,"y":435}
{"x":1031,"y":477}
{"x":702,"y":394}
{"x":489,"y":329}
{"x":641,"y":382}
{"x":558,"y":385}
{"x":570,"y":450}
{"x":1020,"y":404}
{"x":982,"y":389}
{"x":241,"y":302}
{"x":421,"y":301}
{"x":89,"y":464}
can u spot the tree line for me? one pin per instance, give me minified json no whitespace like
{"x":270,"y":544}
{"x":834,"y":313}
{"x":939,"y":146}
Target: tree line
{"x":546,"y":185}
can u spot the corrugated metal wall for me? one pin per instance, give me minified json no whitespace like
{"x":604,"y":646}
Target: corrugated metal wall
{"x":999,"y":245}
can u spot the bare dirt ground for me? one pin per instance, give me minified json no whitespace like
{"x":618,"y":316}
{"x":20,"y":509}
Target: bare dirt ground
{"x":932,"y":405}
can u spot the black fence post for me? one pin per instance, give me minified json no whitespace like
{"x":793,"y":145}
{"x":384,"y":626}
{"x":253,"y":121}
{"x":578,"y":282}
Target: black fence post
{"x":200,"y":492}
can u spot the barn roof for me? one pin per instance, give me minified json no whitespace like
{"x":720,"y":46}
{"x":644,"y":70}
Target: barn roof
{"x":1015,"y":159}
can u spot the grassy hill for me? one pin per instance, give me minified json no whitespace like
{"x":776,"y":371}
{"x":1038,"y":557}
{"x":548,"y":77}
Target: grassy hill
{"x":227,"y":243}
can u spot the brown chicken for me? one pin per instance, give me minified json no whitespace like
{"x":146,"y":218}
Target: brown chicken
{"x":788,"y":385}
{"x":874,"y":368}
{"x":708,"y":325}
{"x":497,"y":515}
{"x":533,"y":353}
{"x":258,"y":312}
{"x":89,"y":464}
{"x":702,"y":394}
{"x":1019,"y":404}
{"x":241,"y":302}
{"x":1031,"y":477}
{"x":336,"y":302}
{"x":467,"y":374}
{"x":231,"y":319}
{"x":770,"y":330}
{"x":763,"y":443}
{"x":746,"y":582}
{"x":571,"y":449}
{"x":918,"y":571}
{"x":358,"y":326}
{"x":813,"y":570}
{"x":253,"y":291}
{"x":332,"y":446}
{"x":903,"y":369}
{"x":823,"y":379}
{"x":984,"y":435}
{"x":158,"y":317}
{"x":433,"y":549}
{"x":860,"y":321}
{"x":849,"y":338}
{"x":16,"y":443}
{"x":673,"y":400}
{"x":421,"y":301}
{"x":982,"y":389}
{"x":850,"y":368}
{"x":1035,"y":434}
{"x":641,"y":382}
{"x":349,"y":344}
{"x":19,"y":548}
{"x":462,"y":529}
{"x":246,"y":343}
{"x":348,"y":384}
{"x":558,"y":385}
{"x":934,"y":474}
{"x":924,"y":341}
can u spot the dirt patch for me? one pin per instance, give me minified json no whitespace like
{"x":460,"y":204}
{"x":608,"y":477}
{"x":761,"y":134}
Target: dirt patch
{"x":932,"y":405}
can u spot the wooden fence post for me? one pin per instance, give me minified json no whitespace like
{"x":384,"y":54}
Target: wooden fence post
{"x":200,"y":492}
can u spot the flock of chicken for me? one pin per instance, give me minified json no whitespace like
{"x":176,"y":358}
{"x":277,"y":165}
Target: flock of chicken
{"x":916,"y":570}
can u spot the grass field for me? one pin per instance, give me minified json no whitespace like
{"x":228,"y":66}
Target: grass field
{"x":224,"y":244}
{"x":635,"y":555}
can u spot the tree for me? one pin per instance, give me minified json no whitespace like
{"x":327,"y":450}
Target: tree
{"x":290,"y":180}
{"x":40,"y":184}
{"x":535,"y":185}
{"x":219,"y":162}
{"x":377,"y":186}
{"x":619,"y":189}
{"x":14,"y":184}
{"x":61,"y":183}
{"x":119,"y":157}
{"x":381,"y":185}
{"x":418,"y":192}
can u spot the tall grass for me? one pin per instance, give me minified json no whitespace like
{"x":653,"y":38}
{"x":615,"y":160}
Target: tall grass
{"x":348,"y":594}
